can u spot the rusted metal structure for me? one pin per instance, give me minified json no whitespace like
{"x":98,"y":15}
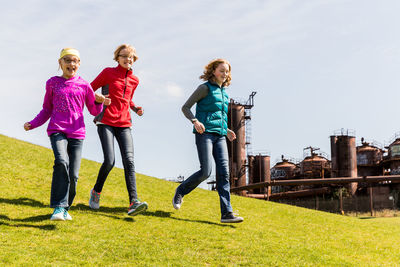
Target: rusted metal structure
{"x":237,"y":148}
{"x":392,"y":160}
{"x":322,"y":181}
{"x":344,"y":157}
{"x":292,"y":194}
{"x":284,"y":170}
{"x":238,"y":114}
{"x":369,"y":159}
{"x":314,"y":165}
{"x":259,"y":171}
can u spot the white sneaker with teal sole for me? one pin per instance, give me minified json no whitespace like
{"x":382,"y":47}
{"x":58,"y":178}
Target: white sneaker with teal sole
{"x":58,"y":214}
{"x":67,"y":217}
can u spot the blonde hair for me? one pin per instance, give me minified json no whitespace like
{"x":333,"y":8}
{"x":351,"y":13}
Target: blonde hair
{"x":131,"y":49}
{"x":208,"y":74}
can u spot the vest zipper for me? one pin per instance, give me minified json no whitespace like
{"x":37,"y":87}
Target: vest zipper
{"x":222,"y":112}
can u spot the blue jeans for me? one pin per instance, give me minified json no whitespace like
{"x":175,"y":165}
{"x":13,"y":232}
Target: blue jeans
{"x":211,"y":146}
{"x":125,"y":142}
{"x":67,"y":161}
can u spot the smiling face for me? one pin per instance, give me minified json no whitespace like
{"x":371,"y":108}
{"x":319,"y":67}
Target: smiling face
{"x":221,"y":73}
{"x":125,"y":58}
{"x":69,"y":65}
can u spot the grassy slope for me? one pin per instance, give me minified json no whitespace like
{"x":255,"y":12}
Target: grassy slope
{"x":272,"y":234}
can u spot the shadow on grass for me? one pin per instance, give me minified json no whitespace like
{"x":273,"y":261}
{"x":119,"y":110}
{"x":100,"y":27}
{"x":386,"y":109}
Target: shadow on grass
{"x":164,"y":214}
{"x":366,"y":218}
{"x":158,"y":213}
{"x":23,"y":201}
{"x":103,"y":211}
{"x":4,"y":221}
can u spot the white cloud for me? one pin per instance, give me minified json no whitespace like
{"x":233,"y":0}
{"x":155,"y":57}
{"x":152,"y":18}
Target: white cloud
{"x":174,"y":90}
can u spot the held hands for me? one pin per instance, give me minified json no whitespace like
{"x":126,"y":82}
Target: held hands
{"x":199,"y":127}
{"x":231,"y":135}
{"x":27,"y":126}
{"x":102,"y":99}
{"x":107,"y":100}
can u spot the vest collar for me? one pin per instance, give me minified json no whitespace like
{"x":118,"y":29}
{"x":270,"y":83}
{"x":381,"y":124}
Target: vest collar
{"x":215,"y":84}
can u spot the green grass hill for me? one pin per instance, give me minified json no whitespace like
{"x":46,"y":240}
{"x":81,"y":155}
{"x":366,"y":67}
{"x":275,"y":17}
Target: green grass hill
{"x":271,"y":235}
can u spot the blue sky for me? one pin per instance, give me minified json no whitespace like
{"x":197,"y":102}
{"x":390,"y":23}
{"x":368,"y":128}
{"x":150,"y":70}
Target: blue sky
{"x":317,"y":66}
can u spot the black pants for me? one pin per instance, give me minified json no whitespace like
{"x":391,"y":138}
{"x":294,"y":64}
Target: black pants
{"x":123,"y":136}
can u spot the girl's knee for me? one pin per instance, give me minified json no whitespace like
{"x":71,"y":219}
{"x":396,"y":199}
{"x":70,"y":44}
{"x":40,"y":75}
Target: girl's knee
{"x":205,"y":173}
{"x":60,"y":162}
{"x":108,"y":164}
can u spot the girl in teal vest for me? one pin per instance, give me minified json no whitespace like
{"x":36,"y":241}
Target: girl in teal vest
{"x":211,"y":129}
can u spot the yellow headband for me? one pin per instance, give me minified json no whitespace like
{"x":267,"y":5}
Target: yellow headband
{"x":69,"y":51}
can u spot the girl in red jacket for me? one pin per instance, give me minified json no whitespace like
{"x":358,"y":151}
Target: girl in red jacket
{"x":115,"y":121}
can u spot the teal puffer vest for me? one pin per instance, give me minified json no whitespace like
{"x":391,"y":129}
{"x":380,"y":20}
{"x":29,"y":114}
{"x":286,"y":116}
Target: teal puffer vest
{"x":212,"y":110}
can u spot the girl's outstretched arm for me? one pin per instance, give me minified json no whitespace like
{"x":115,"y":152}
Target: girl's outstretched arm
{"x":46,"y":111}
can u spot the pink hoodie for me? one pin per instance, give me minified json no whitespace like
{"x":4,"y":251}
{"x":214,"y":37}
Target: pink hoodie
{"x":63,"y":104}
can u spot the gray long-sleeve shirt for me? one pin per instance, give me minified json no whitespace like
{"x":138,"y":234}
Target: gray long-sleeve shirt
{"x":200,"y":93}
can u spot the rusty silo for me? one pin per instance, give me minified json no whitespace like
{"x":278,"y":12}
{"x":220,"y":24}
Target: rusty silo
{"x":259,"y":171}
{"x":237,"y":148}
{"x":392,"y":161}
{"x":314,"y":165}
{"x":344,"y":157}
{"x":284,"y":170}
{"x":369,"y":159}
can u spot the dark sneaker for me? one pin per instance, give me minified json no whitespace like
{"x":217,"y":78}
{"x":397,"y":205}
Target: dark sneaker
{"x":177,"y":200}
{"x":231,"y":218}
{"x":58,"y":214}
{"x":137,"y":207}
{"x":94,"y":200}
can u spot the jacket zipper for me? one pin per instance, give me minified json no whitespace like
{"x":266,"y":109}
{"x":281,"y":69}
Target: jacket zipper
{"x":126,"y":75}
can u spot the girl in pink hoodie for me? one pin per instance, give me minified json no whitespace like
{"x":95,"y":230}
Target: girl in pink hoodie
{"x":63,"y":104}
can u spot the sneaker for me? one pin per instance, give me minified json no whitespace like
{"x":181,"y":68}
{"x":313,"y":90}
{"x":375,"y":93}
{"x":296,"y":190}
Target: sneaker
{"x":177,"y":200}
{"x":58,"y":214}
{"x":67,"y":217}
{"x":94,"y":201}
{"x":137,"y":207}
{"x":231,"y":218}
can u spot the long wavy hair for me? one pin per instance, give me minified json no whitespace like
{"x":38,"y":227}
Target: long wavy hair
{"x":208,"y":74}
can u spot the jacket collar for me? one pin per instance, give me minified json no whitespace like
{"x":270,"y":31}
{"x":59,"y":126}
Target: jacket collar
{"x":121,"y":69}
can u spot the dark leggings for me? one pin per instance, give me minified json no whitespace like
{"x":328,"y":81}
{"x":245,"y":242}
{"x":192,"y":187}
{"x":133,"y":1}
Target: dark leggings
{"x":123,"y":136}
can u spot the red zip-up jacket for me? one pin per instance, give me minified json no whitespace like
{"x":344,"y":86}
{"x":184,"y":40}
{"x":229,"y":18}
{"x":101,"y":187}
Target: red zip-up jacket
{"x":120,"y":84}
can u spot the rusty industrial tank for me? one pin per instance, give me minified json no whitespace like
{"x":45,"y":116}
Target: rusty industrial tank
{"x":237,"y":148}
{"x":392,"y":161}
{"x":315,"y":166}
{"x":369,"y":159}
{"x":344,"y":157}
{"x":259,"y":171}
{"x":284,"y":170}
